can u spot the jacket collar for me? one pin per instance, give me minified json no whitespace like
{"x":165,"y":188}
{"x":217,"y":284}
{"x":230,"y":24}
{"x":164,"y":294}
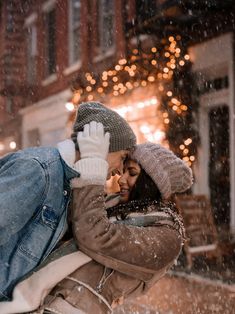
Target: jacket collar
{"x":67,"y":152}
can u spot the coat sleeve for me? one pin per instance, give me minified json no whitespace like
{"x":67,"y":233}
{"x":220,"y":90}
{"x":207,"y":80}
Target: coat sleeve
{"x":155,"y":246}
{"x":22,"y":184}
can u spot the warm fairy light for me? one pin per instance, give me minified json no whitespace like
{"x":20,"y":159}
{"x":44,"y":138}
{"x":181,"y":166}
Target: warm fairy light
{"x":115,"y":79}
{"x":161,"y":88}
{"x":159,"y":136}
{"x":12,"y":145}
{"x":105,"y":84}
{"x":154,"y":62}
{"x":177,"y":55}
{"x":167,"y":54}
{"x":188,"y":141}
{"x":166,"y":121}
{"x":154,"y":49}
{"x":192,"y":158}
{"x":177,"y":50}
{"x":123,"y":109}
{"x":122,"y":61}
{"x":165,"y":114}
{"x":165,"y":75}
{"x":69,"y":106}
{"x":93,"y":82}
{"x":88,"y":88}
{"x":144,"y":83}
{"x":184,"y":108}
{"x":181,"y":63}
{"x":117,"y":67}
{"x":174,"y":101}
{"x":171,"y":38}
{"x":110,"y":73}
{"x":90,"y":97}
{"x":182,"y":147}
{"x":186,"y":158}
{"x":173,"y":66}
{"x":135,"y":51}
{"x":151,"y":78}
{"x":100,"y":90}
{"x":166,"y":70}
{"x":145,"y":129}
{"x":152,"y":101}
{"x":185,"y":151}
{"x":186,"y":57}
{"x":169,"y":93}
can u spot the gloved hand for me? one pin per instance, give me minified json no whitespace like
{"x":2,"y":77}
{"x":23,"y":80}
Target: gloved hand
{"x":93,"y":142}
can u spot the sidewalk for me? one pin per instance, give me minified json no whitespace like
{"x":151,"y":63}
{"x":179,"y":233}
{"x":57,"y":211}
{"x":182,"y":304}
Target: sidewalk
{"x":180,"y":293}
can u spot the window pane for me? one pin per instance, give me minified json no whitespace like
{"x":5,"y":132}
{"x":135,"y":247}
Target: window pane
{"x":31,"y":53}
{"x":75,"y":37}
{"x":50,"y":43}
{"x":106,"y":25}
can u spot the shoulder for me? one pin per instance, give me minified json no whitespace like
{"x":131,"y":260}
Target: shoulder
{"x":31,"y":158}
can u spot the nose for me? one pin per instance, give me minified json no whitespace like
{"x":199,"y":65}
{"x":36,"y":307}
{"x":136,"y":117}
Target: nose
{"x":122,"y":179}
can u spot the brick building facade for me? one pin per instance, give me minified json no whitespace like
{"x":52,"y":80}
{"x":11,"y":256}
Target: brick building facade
{"x":49,"y":49}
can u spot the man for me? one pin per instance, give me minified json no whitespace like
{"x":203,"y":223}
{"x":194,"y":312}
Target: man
{"x":35,"y":190}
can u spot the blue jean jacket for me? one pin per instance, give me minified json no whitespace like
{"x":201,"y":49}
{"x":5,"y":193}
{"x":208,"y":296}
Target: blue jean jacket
{"x":34,"y":196}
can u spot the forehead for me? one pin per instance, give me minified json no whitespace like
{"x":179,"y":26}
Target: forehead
{"x":118,"y":154}
{"x":130,"y":163}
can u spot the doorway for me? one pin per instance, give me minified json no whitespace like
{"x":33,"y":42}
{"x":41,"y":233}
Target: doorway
{"x":219,"y":161}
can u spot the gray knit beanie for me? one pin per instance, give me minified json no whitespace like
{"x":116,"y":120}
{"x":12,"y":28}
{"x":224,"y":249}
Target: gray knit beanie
{"x":121,"y":135}
{"x":170,"y":173}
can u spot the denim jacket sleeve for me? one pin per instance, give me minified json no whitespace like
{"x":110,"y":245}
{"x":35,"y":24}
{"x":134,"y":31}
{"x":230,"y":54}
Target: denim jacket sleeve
{"x":22,"y":185}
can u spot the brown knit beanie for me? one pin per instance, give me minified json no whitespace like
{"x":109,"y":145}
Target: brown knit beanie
{"x":170,"y":173}
{"x":121,"y":135}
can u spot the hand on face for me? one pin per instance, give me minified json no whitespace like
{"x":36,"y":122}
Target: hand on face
{"x":128,"y":179}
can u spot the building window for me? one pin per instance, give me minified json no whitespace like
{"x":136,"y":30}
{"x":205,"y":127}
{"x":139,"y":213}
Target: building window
{"x":106,"y":26}
{"x":50,"y":42}
{"x":31,"y":39}
{"x":145,"y":10}
{"x":74,"y":31}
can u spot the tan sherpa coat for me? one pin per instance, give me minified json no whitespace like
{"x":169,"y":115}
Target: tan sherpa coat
{"x":127,"y":259}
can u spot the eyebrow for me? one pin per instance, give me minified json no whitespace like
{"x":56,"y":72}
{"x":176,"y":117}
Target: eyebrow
{"x":131,"y":168}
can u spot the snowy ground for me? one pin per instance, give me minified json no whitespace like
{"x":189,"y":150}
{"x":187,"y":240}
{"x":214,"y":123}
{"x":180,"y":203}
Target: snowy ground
{"x":184,"y":295}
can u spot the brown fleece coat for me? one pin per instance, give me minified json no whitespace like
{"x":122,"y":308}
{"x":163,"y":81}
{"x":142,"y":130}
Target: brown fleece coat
{"x":127,"y":259}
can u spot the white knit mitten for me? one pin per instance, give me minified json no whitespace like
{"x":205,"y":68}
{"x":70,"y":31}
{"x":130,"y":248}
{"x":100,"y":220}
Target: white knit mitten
{"x":94,"y":146}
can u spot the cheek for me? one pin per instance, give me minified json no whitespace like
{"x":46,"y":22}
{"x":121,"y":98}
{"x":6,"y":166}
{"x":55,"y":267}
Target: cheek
{"x":131,"y":182}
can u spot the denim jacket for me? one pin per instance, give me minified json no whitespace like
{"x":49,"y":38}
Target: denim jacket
{"x":34,"y":196}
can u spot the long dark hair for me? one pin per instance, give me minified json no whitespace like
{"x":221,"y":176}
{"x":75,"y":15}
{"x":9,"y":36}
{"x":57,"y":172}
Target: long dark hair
{"x":144,"y":193}
{"x":145,"y":188}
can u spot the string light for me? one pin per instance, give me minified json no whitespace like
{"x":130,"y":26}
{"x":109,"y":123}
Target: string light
{"x":141,"y":69}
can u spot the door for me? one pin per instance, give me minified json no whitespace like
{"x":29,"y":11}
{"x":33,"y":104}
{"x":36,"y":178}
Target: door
{"x":219,"y":171}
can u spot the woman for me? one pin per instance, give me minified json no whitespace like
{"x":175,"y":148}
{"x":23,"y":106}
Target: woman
{"x":132,"y":244}
{"x":139,"y":245}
